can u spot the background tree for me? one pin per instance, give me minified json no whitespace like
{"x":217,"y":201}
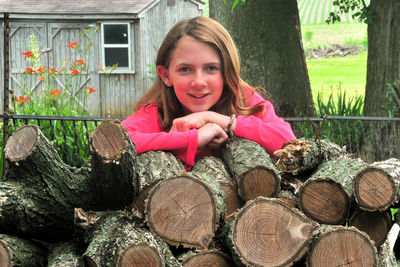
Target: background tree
{"x":268,"y":37}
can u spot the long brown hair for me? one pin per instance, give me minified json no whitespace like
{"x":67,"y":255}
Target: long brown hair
{"x":209,"y":31}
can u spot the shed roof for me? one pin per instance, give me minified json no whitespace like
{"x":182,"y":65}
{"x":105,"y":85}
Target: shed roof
{"x":73,"y":7}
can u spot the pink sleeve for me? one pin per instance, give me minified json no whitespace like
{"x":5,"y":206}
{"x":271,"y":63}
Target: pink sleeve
{"x":144,"y":128}
{"x":270,"y":131}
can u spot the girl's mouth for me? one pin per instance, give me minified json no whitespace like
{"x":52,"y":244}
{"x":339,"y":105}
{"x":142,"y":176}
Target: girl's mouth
{"x":198,"y":96}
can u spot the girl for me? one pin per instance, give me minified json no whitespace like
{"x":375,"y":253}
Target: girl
{"x":198,"y":98}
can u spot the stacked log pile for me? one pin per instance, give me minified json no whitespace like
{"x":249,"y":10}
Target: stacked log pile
{"x":311,"y":205}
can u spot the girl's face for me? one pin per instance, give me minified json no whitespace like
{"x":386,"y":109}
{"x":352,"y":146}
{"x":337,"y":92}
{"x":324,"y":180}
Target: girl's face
{"x":195,"y":74}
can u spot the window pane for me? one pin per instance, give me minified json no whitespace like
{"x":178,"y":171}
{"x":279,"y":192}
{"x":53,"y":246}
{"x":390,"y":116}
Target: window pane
{"x":116,"y":55}
{"x":115,"y":33}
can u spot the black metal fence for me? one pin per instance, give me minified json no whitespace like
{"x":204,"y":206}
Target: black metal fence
{"x":370,"y":138}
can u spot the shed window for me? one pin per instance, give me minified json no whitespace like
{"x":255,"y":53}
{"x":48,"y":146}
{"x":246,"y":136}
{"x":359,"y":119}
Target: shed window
{"x":116,"y":45}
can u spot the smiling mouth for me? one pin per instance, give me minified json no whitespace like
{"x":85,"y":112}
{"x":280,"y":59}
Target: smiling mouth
{"x":199,"y":96}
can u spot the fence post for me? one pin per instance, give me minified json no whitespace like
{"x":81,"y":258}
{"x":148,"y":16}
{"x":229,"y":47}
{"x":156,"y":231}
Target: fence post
{"x":6,"y":91}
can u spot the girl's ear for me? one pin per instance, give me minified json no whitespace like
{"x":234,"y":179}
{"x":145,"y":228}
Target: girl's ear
{"x":163,"y":73}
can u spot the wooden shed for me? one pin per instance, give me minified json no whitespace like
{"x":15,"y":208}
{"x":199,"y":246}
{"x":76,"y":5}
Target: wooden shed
{"x":127,"y":32}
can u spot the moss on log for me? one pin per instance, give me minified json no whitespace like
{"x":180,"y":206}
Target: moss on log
{"x":65,"y":254}
{"x":253,"y":169}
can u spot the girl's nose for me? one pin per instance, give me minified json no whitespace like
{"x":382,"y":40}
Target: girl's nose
{"x":199,"y":80}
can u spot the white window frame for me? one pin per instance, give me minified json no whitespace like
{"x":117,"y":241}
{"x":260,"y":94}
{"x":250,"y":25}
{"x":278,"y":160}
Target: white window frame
{"x":128,"y":45}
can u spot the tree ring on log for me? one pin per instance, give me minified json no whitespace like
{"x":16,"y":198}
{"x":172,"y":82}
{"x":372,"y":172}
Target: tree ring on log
{"x":5,"y":254}
{"x":343,"y":247}
{"x":22,"y":143}
{"x":139,"y":255}
{"x":213,"y":258}
{"x":232,"y":199}
{"x":267,"y":231}
{"x":374,"y":189}
{"x":106,"y":143}
{"x":183,"y":210}
{"x":258,"y":181}
{"x":324,"y":201}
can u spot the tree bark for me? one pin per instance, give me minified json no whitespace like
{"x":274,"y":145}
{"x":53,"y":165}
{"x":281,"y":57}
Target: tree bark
{"x":252,"y":168}
{"x":387,"y":258}
{"x":325,"y":196}
{"x":15,"y":251}
{"x":184,"y":210}
{"x":113,"y":163}
{"x":266,"y":232}
{"x":116,"y":238}
{"x":342,"y":246}
{"x":268,"y":36}
{"x":65,"y":254}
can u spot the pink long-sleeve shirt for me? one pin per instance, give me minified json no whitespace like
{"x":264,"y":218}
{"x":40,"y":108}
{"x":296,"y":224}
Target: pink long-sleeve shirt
{"x":145,"y":129}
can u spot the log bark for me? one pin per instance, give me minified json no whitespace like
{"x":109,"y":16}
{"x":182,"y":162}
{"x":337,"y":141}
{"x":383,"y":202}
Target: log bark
{"x":265,"y":232}
{"x":214,"y":257}
{"x":387,"y":258}
{"x":376,"y":224}
{"x":39,"y":192}
{"x":113,"y":159}
{"x":376,"y":187}
{"x":151,"y":167}
{"x":116,"y":238}
{"x":184,"y":210}
{"x":65,"y":254}
{"x":303,"y":155}
{"x":252,"y":168}
{"x":325,"y":195}
{"x":15,"y":251}
{"x":342,"y":246}
{"x":215,"y":169}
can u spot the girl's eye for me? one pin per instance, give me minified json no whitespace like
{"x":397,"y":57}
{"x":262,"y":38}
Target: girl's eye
{"x":212,"y":68}
{"x":184,"y":69}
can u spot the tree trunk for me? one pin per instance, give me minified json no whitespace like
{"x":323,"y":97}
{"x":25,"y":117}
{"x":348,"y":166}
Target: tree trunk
{"x":15,"y":251}
{"x":116,"y":238}
{"x":342,"y":246}
{"x":376,"y":224}
{"x":252,"y":168}
{"x":268,"y":37}
{"x":206,"y":258}
{"x":65,"y":254}
{"x":265,"y":232}
{"x":215,"y":168}
{"x":113,"y":163}
{"x":185,"y":210}
{"x":325,"y":196}
{"x":376,"y":187}
{"x":387,"y":258}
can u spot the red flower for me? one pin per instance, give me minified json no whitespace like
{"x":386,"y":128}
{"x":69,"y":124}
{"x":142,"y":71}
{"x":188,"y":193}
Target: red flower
{"x":41,"y":78}
{"x":27,"y":54}
{"x":74,"y":71}
{"x":51,"y":70}
{"x":80,"y":62}
{"x":30,"y":70}
{"x":72,"y":45}
{"x":91,"y":89}
{"x":21,"y":99}
{"x":56,"y":92}
{"x":41,"y":70}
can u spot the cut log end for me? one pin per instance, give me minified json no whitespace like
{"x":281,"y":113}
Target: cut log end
{"x":258,"y":182}
{"x":324,"y":201}
{"x":139,"y":255}
{"x":183,"y":210}
{"x":5,"y":254}
{"x":374,"y":189}
{"x":22,"y":143}
{"x":232,"y":199}
{"x":108,"y":140}
{"x":263,"y":227}
{"x":344,"y":247}
{"x":207,"y":259}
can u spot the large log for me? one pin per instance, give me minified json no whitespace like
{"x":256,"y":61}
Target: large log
{"x":304,"y":155}
{"x":65,"y":254}
{"x":325,"y":195}
{"x":215,"y":169}
{"x":117,"y":238}
{"x":342,"y":246}
{"x":213,"y":257}
{"x":253,"y":169}
{"x":151,"y":167}
{"x":184,"y":210}
{"x":266,"y":232}
{"x":376,"y":187}
{"x":387,"y":257}
{"x":15,"y":251}
{"x":39,"y":191}
{"x":113,"y":159}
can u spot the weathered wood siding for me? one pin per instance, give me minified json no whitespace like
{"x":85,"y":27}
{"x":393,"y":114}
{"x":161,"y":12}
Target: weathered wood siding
{"x":1,"y":66}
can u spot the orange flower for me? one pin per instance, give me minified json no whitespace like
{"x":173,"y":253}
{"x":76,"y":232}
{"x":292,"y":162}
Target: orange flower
{"x":80,"y":62}
{"x":55,"y":92}
{"x":41,"y":78}
{"x":21,"y":99}
{"x":98,"y":65}
{"x":74,"y":71}
{"x":51,"y":70}
{"x":41,"y":70}
{"x":91,"y":89}
{"x":72,"y":45}
{"x":27,"y":54}
{"x":30,"y":70}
